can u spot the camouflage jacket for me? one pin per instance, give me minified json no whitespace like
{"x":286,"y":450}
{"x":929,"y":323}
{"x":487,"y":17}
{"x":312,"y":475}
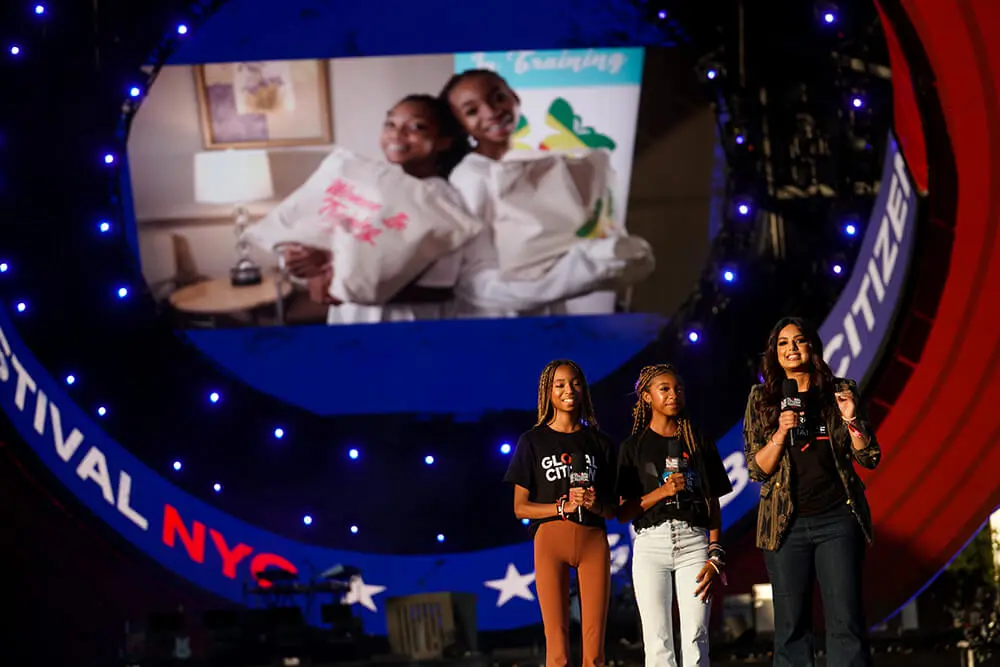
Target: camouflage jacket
{"x":777,"y":504}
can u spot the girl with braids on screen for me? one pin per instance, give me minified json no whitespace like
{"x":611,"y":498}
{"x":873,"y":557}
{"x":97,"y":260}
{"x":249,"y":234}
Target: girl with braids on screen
{"x":422,"y":137}
{"x":670,"y":479}
{"x":567,"y":523}
{"x":487,"y":111}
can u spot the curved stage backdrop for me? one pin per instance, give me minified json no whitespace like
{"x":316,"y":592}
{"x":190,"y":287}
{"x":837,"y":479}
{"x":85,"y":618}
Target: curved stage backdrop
{"x":220,"y":553}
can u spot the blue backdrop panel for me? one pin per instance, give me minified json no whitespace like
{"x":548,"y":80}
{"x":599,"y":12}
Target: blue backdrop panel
{"x":348,"y":364}
{"x":268,"y":30}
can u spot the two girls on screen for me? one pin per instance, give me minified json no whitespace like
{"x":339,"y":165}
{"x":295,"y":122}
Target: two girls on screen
{"x":432,"y":139}
{"x":668,"y":480}
{"x":422,"y":137}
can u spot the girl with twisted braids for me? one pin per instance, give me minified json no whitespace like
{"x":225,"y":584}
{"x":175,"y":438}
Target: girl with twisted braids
{"x":670,"y":479}
{"x":563,"y":472}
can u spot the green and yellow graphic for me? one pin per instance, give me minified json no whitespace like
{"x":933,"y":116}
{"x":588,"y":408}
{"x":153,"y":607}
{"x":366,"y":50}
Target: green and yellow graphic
{"x":600,"y":221}
{"x":571,"y":133}
{"x":522,"y":130}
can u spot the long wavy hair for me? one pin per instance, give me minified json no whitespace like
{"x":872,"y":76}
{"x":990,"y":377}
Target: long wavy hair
{"x":546,"y":411}
{"x":821,"y":377}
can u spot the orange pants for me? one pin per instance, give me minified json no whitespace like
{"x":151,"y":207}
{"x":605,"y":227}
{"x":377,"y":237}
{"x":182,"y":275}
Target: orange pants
{"x":560,"y":545}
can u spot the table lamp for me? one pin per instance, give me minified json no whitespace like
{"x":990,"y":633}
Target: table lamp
{"x":235,"y":177}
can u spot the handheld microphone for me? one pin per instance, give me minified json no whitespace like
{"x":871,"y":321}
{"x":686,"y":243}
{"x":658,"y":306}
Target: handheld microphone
{"x":675,"y":463}
{"x":791,"y":401}
{"x":579,"y":477}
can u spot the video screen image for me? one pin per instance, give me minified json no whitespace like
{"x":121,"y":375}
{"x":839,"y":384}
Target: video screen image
{"x":432,"y":187}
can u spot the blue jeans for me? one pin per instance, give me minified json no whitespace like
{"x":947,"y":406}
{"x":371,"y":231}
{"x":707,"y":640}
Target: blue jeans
{"x":830,"y":548}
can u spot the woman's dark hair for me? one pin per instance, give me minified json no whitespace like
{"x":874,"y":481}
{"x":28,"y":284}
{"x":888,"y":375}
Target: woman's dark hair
{"x":448,"y":126}
{"x":545,"y":409}
{"x":821,"y":377}
{"x":461,"y":146}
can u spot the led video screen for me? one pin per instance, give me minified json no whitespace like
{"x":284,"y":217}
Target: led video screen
{"x":354,"y":191}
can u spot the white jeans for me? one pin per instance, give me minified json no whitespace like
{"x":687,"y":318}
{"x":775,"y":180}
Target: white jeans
{"x":672,"y":553}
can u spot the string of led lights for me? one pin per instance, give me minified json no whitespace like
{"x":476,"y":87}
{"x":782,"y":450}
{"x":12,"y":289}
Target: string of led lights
{"x":735,"y":263}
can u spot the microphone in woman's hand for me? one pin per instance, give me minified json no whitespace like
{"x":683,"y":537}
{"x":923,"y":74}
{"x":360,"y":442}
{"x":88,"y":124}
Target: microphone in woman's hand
{"x":791,"y":401}
{"x":579,"y":477}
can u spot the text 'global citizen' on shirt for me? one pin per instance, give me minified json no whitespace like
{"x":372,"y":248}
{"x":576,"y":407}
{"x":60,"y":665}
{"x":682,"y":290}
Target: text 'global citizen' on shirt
{"x":543,"y":460}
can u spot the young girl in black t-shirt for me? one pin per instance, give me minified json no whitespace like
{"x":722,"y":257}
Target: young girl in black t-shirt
{"x":670,"y":480}
{"x":567,"y":520}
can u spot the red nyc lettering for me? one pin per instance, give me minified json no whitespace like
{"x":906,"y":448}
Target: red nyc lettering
{"x":194,"y":543}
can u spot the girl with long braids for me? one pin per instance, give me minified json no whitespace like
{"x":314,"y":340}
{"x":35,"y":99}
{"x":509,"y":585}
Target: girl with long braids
{"x":567,"y":520}
{"x":487,"y":111}
{"x":804,"y":431}
{"x":670,"y":479}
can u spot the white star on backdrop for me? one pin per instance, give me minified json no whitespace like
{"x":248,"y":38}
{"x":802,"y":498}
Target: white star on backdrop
{"x":362,"y":593}
{"x":513,"y":585}
{"x":619,"y":555}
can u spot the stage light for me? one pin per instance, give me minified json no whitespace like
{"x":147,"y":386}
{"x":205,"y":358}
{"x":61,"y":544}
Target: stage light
{"x":15,"y":50}
{"x":838,"y":269}
{"x":182,"y":29}
{"x":101,"y":411}
{"x":279,"y":433}
{"x":21,"y":306}
{"x":122,"y":292}
{"x":525,"y":521}
{"x":307,"y":519}
{"x":850,"y":229}
{"x":728,"y":276}
{"x":829,"y":17}
{"x":711,"y":74}
{"x":217,"y":487}
{"x":662,"y":14}
{"x":134,"y":91}
{"x":177,"y":465}
{"x":214,"y":397}
{"x":440,"y":537}
{"x":70,"y":379}
{"x":429,"y":460}
{"x":3,"y":267}
{"x":505,"y":448}
{"x":104,"y":226}
{"x":109,"y":158}
{"x":694,"y":336}
{"x":743,"y":209}
{"x":39,"y":9}
{"x":857,"y":102}
{"x":354,"y":530}
{"x":740,"y":139}
{"x":354,"y":454}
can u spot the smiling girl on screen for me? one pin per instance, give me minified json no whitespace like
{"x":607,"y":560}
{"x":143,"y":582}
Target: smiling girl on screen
{"x":522,"y":197}
{"x":419,"y":136}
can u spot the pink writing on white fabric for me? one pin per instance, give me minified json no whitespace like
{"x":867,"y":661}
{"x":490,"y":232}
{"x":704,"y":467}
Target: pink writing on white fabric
{"x":356,"y":214}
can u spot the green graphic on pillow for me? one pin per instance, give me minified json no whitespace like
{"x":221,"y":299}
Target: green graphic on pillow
{"x":571,"y":132}
{"x":521,"y":132}
{"x":600,"y":220}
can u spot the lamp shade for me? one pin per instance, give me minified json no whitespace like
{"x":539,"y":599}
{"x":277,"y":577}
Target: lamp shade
{"x":232,"y":177}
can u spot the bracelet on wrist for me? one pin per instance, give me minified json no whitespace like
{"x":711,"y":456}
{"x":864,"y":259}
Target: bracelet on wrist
{"x":560,"y":509}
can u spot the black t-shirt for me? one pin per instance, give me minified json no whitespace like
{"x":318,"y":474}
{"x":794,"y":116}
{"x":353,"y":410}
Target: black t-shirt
{"x":642,"y":467}
{"x":816,"y":484}
{"x":542,"y":463}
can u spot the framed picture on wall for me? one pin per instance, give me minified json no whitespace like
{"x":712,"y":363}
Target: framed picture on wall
{"x":264,"y":104}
